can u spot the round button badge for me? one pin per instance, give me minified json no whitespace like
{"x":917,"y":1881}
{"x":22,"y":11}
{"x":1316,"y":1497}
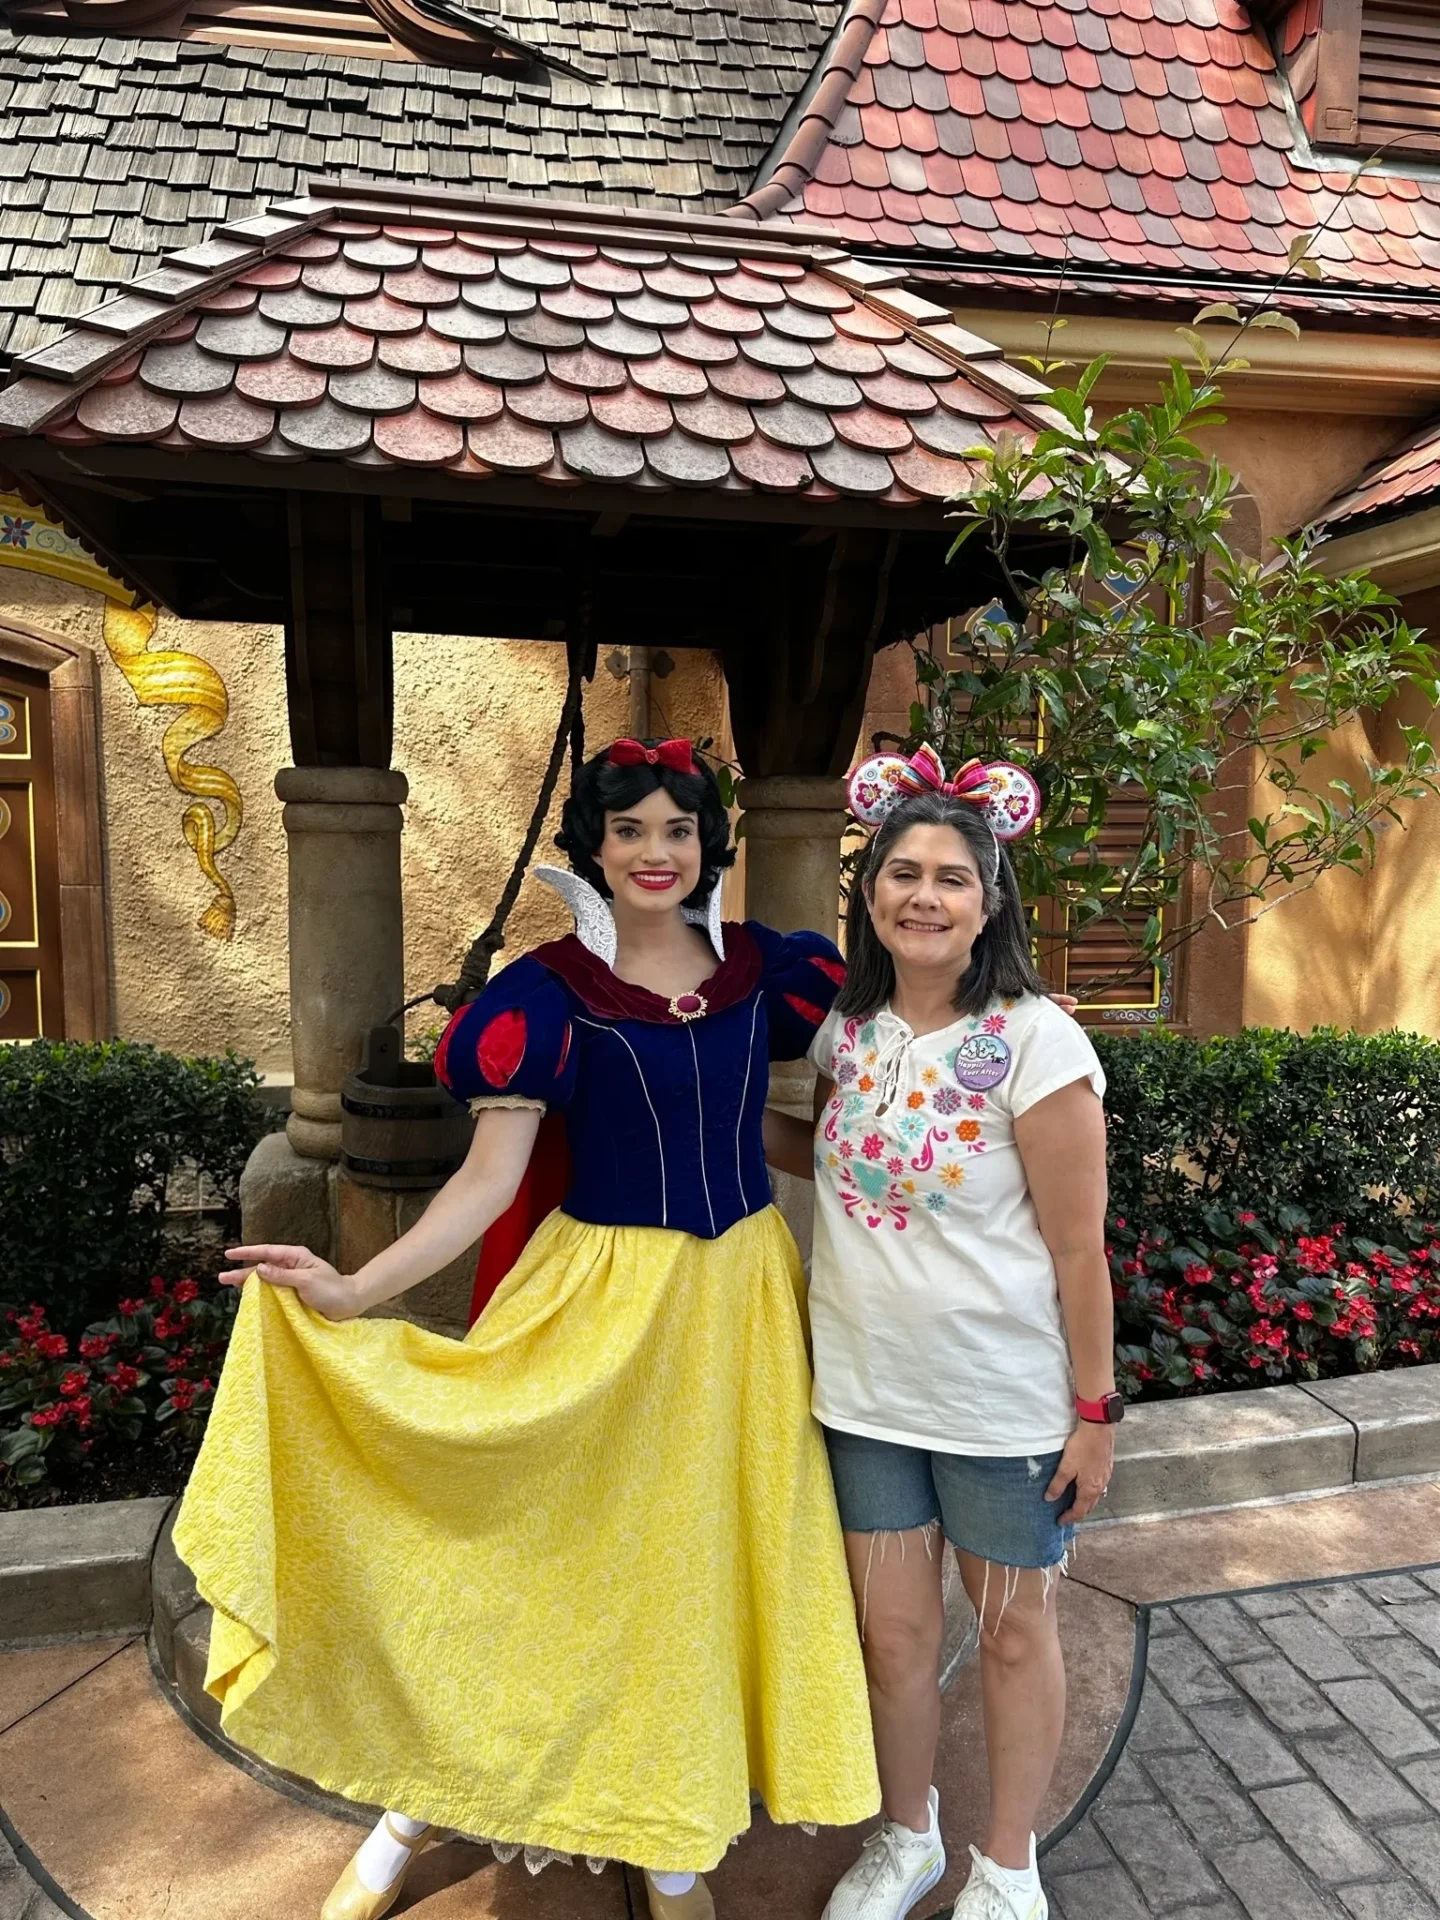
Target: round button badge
{"x":981,"y":1061}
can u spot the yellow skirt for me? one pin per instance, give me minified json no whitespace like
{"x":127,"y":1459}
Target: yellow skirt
{"x":575,"y":1583}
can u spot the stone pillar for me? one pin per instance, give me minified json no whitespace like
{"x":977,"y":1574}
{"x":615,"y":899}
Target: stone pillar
{"x":793,"y":826}
{"x":347,"y":970}
{"x":792,"y":851}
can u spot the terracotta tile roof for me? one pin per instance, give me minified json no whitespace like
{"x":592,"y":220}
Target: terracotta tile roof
{"x":569,"y":344}
{"x":1337,"y":303}
{"x":116,"y":149}
{"x":1139,"y":135}
{"x":1401,"y":483}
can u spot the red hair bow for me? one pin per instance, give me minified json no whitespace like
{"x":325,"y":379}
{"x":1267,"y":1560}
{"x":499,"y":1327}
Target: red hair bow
{"x":675,"y":754}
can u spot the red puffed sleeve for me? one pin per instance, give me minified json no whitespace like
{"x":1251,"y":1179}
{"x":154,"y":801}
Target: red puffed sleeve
{"x":802,"y":974}
{"x":514,"y":1042}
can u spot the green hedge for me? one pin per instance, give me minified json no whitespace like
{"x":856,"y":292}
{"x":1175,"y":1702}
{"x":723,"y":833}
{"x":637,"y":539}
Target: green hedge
{"x":90,"y":1138}
{"x":1321,"y":1128}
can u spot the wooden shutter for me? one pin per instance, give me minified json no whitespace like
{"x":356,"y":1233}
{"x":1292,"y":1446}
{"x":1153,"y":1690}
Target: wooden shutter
{"x":1399,"y":79}
{"x":1100,"y":964}
{"x":1369,"y":77}
{"x":31,"y":982}
{"x":1086,"y":963}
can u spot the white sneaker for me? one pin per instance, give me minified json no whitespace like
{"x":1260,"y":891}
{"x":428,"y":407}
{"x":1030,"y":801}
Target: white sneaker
{"x":991,"y":1894}
{"x":894,"y":1872}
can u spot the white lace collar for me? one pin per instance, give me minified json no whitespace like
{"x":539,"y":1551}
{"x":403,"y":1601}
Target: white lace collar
{"x":595,"y":923}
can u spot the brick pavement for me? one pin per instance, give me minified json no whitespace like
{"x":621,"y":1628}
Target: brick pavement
{"x":1284,"y":1764}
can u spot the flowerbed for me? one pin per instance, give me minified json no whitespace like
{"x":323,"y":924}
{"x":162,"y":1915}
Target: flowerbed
{"x":1247,"y":1307}
{"x":121,"y":1409}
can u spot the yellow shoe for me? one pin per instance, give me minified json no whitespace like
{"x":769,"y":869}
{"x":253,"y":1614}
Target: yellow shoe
{"x":351,"y":1899}
{"x":694,"y":1905}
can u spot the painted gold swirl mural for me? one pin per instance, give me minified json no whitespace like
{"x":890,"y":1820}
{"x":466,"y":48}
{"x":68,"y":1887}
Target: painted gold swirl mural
{"x":31,"y":541}
{"x":168,"y":678}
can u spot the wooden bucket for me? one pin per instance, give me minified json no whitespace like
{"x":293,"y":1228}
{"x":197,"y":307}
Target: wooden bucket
{"x":399,"y":1128}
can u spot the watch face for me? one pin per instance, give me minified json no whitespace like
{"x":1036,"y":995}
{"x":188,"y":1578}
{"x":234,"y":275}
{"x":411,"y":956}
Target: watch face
{"x":1114,"y":1404}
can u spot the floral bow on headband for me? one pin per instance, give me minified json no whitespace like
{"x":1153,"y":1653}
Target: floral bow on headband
{"x":675,"y":754}
{"x":1006,"y":794}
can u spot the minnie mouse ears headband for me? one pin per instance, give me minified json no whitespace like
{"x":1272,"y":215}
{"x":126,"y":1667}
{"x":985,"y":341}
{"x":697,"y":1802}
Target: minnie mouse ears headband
{"x":1005,"y":795}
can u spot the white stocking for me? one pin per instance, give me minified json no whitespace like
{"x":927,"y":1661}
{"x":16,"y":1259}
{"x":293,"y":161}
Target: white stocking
{"x":673,"y":1884}
{"x":383,"y":1856}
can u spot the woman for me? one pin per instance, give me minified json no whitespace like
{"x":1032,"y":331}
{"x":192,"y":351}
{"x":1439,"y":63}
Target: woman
{"x":960,"y":1305}
{"x":575,"y":1584}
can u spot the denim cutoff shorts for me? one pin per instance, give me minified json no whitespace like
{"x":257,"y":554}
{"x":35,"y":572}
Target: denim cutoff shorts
{"x":992,"y":1507}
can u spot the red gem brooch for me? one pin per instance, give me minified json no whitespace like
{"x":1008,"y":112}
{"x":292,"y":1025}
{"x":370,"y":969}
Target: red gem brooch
{"x":689,"y":1006}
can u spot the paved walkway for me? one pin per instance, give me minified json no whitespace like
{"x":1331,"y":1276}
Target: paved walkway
{"x":1284,"y":1764}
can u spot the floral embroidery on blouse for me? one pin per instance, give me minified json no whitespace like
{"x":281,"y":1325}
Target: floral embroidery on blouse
{"x":931,"y":1130}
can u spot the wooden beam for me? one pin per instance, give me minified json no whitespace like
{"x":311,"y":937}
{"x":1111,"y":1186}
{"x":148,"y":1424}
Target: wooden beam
{"x":338,"y":656}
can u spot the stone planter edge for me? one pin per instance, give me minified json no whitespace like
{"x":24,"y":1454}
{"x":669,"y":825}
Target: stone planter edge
{"x":67,"y":1572}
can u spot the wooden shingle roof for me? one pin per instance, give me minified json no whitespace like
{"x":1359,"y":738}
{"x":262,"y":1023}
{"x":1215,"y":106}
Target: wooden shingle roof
{"x":116,"y":149}
{"x":571,"y":345}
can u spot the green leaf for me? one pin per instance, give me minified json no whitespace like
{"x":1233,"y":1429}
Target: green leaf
{"x":1283,"y":322}
{"x":1217,"y":310}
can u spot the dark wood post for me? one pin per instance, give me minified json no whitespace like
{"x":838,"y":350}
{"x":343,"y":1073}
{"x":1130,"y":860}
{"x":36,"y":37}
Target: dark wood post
{"x":338,"y":666}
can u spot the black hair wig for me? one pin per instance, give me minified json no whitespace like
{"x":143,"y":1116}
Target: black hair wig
{"x":601,"y":788}
{"x":1000,"y":966}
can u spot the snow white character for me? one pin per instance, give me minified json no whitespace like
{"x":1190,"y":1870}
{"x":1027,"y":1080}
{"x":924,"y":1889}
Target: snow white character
{"x":574,"y":1584}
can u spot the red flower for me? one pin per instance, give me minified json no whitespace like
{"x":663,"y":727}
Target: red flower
{"x":95,"y":1346}
{"x":47,"y":1416}
{"x":185,"y":1292}
{"x":157,"y":1287}
{"x":74,"y":1382}
{"x":872,"y":1146}
{"x":131,"y":1307}
{"x":52,"y":1346}
{"x":125,"y":1378}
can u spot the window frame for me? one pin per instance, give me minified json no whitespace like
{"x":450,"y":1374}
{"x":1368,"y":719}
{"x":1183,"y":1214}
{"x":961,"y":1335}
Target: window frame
{"x":72,"y":676}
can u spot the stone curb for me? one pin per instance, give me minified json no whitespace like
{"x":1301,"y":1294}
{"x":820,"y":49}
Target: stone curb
{"x":1231,"y":1449}
{"x":71,"y":1571}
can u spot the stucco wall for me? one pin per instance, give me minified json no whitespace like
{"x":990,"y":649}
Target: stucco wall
{"x":474,"y":723}
{"x":1357,"y":950}
{"x":173,"y":984}
{"x":1293,"y":464}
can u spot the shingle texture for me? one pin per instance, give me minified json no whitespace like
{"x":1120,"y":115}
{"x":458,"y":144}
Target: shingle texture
{"x":575,"y":350}
{"x":1144,"y":134}
{"x":1402,"y":482}
{"x":113,"y":150}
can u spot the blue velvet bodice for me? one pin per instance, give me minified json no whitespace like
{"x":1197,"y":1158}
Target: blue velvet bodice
{"x":663,"y":1113}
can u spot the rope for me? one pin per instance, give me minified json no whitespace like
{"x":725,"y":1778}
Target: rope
{"x":569,"y":733}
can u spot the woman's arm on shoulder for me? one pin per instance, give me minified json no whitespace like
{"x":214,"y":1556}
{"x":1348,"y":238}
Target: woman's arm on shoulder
{"x":469,"y":1203}
{"x":1062,"y":1145}
{"x":790,"y":1141}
